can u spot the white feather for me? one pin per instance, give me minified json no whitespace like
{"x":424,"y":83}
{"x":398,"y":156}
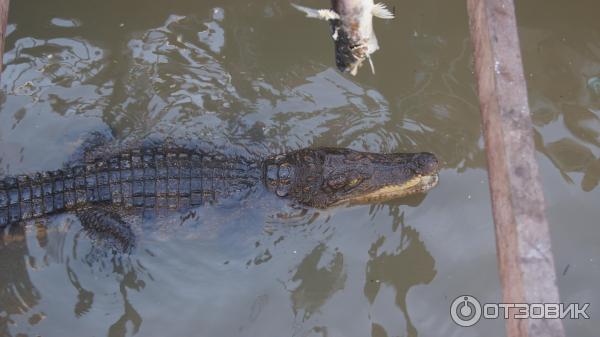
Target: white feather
{"x":380,"y":10}
{"x":321,"y":14}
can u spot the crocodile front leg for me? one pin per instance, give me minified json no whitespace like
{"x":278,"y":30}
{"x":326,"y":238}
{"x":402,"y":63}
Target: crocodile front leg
{"x":104,"y":224}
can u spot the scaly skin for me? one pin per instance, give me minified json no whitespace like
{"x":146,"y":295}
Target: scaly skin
{"x":177,"y":178}
{"x":148,"y":178}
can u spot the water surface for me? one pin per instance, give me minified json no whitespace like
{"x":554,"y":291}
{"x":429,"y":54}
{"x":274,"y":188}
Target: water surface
{"x":259,"y":76}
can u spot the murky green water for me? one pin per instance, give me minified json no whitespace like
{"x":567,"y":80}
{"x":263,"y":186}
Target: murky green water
{"x":260,"y":76}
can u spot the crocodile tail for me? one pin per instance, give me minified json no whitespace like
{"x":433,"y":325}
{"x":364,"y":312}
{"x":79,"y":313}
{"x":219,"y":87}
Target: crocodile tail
{"x":26,"y":197}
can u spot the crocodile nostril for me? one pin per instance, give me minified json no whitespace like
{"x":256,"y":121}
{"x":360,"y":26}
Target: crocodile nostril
{"x":428,"y":163}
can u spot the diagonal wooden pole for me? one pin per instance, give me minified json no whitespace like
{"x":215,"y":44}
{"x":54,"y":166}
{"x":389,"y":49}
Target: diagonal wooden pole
{"x":522,"y":237}
{"x":3,"y":20}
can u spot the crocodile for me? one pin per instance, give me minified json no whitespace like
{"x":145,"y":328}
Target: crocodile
{"x":177,"y":178}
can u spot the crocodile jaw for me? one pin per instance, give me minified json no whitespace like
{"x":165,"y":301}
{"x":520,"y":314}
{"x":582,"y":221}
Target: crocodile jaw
{"x":419,"y":184}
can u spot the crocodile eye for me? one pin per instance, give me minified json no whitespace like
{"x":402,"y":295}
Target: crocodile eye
{"x":354,"y":182}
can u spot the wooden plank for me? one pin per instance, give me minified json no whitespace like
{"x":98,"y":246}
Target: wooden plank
{"x":525,"y":258}
{"x":3,"y":20}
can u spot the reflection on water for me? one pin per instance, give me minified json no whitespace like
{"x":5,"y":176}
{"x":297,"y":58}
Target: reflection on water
{"x":85,"y":298}
{"x":41,"y":249}
{"x":399,"y":270}
{"x":317,"y":282}
{"x":17,"y":293}
{"x":243,"y":76}
{"x":567,"y":116}
{"x":129,"y":280}
{"x":97,"y":285}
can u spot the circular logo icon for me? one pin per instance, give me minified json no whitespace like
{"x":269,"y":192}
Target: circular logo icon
{"x":465,"y":310}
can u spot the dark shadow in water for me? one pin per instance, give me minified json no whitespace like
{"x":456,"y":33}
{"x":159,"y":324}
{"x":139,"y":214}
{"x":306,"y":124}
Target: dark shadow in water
{"x":317,"y":284}
{"x":560,"y":57}
{"x":569,"y":156}
{"x":321,"y":273}
{"x":406,"y":266}
{"x":17,"y":293}
{"x":85,"y":298}
{"x":118,"y":266}
{"x":129,"y":280}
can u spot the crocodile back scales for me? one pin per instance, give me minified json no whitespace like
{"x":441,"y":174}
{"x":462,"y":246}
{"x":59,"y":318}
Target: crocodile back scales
{"x":146,"y":179}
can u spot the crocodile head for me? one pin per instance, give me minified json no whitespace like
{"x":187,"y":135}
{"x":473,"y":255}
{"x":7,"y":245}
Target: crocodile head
{"x":324,"y":177}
